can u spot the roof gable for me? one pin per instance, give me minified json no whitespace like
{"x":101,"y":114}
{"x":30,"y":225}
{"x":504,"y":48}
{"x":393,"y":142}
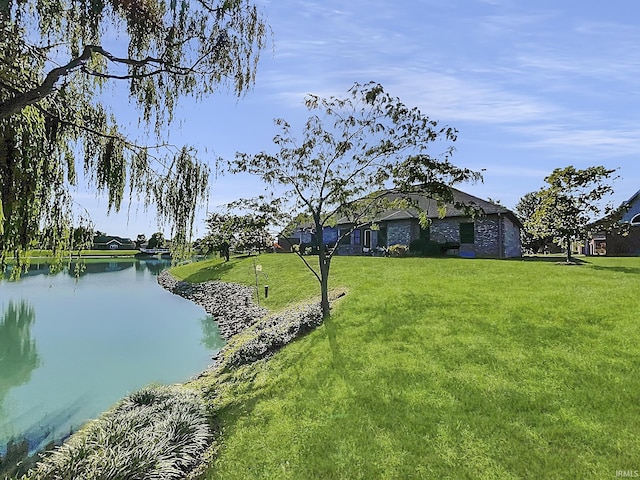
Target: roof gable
{"x":623,"y":214}
{"x":431,"y":209}
{"x":106,"y":239}
{"x":631,"y":208}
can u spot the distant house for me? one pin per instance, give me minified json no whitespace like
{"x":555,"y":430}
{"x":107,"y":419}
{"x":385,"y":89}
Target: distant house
{"x":109,"y":242}
{"x":615,"y":243}
{"x":494,"y":233}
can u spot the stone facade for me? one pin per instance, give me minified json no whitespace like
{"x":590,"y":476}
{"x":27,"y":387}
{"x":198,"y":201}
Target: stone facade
{"x":495,"y":236}
{"x":445,"y":230}
{"x":512,"y":245}
{"x":401,"y":232}
{"x":487,"y":232}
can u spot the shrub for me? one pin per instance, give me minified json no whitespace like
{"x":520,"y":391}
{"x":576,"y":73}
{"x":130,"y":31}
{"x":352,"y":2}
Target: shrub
{"x":157,"y":432}
{"x":398,"y":250}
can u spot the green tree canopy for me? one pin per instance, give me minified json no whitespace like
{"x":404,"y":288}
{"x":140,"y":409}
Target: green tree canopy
{"x":156,"y":240}
{"x":57,"y":56}
{"x":525,"y":209}
{"x":351,"y":153}
{"x":227,"y":231}
{"x":570,"y":203}
{"x":140,"y":239}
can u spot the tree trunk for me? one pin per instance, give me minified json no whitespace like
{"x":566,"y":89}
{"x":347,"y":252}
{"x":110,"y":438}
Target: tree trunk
{"x":568,"y":249}
{"x":325,"y":263}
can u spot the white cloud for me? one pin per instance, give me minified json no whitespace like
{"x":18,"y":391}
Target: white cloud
{"x":587,"y":143}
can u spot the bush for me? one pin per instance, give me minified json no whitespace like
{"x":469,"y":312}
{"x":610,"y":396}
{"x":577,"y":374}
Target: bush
{"x":398,"y":250}
{"x":157,"y":432}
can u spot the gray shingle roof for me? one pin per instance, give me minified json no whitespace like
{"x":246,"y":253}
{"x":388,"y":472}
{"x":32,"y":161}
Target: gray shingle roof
{"x":430,"y":206}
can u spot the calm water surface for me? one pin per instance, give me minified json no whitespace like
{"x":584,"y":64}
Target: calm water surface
{"x":71,"y":347}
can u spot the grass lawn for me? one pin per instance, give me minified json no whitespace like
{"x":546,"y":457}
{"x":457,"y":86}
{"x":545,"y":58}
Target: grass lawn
{"x":440,"y":368}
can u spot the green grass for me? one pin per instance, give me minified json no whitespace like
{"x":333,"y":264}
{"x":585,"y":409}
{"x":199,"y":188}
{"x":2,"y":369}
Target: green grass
{"x":440,"y":368}
{"x":288,"y":279}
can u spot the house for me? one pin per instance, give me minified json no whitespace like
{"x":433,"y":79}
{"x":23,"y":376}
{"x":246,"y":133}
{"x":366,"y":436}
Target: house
{"x":617,"y":241}
{"x":303,"y":236}
{"x":109,"y":242}
{"x":494,"y":233}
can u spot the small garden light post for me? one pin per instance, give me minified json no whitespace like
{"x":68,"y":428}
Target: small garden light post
{"x":257,"y":268}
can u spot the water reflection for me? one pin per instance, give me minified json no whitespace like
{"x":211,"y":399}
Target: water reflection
{"x":154,"y":265}
{"x":211,"y":338}
{"x":18,"y":353}
{"x":79,"y":268}
{"x":18,"y":359}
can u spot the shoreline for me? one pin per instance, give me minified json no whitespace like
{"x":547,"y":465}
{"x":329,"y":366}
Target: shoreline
{"x":231,"y":304}
{"x":235,"y":313}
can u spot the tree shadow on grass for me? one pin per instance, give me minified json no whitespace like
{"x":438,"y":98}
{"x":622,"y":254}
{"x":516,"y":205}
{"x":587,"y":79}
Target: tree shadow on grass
{"x":336,"y":356}
{"x":559,"y":259}
{"x":214,"y":272}
{"x":618,"y":269}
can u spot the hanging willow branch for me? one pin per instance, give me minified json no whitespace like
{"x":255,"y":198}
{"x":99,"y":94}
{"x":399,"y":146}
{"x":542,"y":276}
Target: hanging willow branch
{"x":54,"y":119}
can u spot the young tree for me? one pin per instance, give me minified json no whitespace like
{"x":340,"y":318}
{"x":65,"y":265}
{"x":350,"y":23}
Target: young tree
{"x":570,"y":202}
{"x":239,"y":232}
{"x":352,"y":152}
{"x":56,"y":57}
{"x":525,"y":209}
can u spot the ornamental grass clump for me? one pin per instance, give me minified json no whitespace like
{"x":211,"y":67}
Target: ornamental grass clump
{"x":155,"y":433}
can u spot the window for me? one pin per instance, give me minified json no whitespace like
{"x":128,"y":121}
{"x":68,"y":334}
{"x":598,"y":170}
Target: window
{"x":467,"y":233}
{"x":636,"y":220}
{"x":357,"y":237}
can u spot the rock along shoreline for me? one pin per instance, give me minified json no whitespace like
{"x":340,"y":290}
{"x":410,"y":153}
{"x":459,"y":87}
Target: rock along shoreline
{"x":231,"y":304}
{"x":233,"y":309}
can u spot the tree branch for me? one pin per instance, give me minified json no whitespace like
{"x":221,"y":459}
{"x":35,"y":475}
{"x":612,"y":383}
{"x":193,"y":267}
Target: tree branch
{"x":47,"y":87}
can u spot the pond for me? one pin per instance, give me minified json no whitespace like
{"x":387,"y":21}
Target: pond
{"x":71,"y":346}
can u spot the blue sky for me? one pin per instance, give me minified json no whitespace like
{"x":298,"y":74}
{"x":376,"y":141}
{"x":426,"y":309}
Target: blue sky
{"x":531,"y":86}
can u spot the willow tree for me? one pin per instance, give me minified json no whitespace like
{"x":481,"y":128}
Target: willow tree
{"x":57,"y":57}
{"x":353,"y":154}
